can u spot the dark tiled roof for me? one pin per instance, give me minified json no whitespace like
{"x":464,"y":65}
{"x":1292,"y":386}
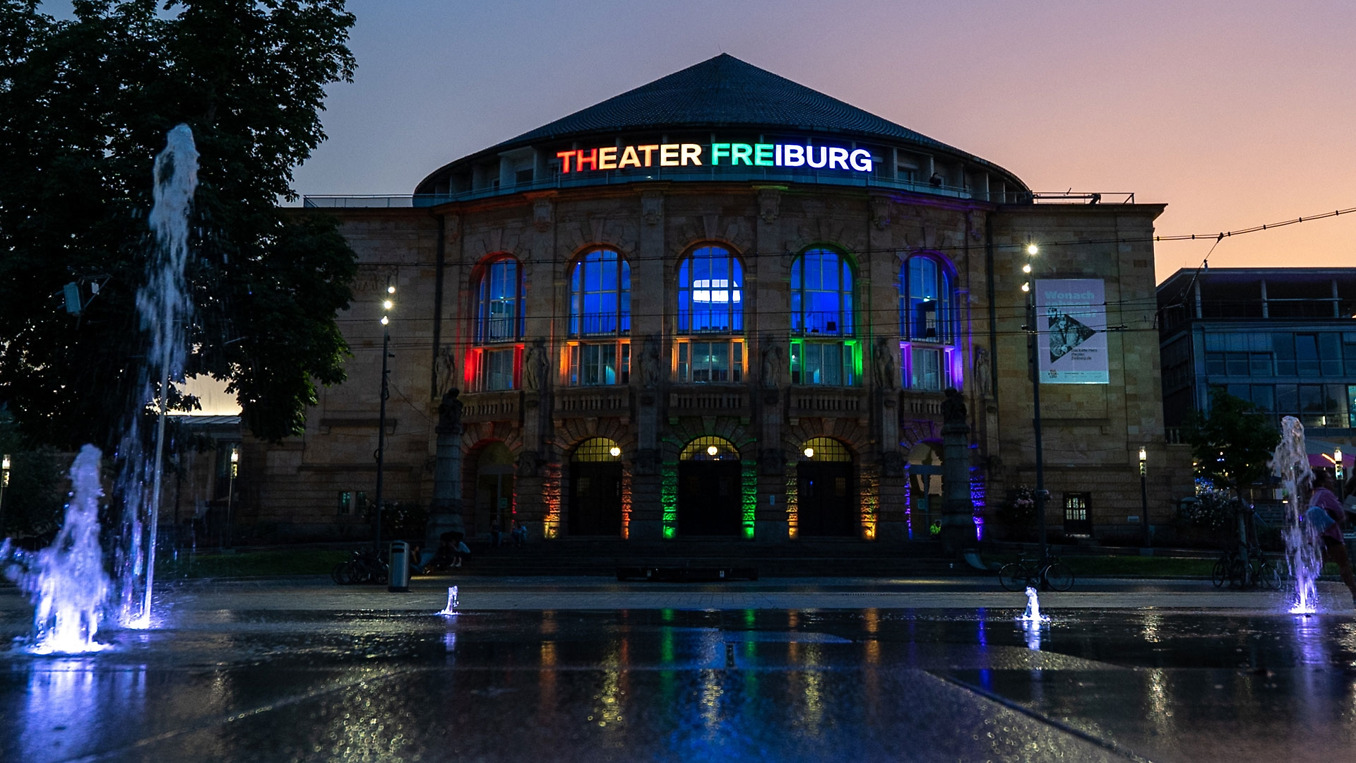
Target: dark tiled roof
{"x":721,"y":92}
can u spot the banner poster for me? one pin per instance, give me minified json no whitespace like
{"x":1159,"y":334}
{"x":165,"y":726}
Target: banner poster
{"x":1071,"y":331}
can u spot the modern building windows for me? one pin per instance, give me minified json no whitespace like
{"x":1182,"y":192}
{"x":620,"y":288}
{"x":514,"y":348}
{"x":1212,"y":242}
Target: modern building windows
{"x":710,"y":345}
{"x":927,"y":325}
{"x":600,"y":319}
{"x":495,"y":360}
{"x":822,"y":320}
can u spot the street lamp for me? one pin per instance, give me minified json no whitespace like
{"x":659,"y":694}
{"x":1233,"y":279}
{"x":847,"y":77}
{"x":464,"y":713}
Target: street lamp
{"x":387,"y":305}
{"x":230,"y":490}
{"x":1144,"y":493}
{"x":4,"y":483}
{"x":1028,"y":288}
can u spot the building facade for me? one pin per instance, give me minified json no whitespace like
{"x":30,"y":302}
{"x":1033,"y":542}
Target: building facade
{"x":1283,"y":339}
{"x":726,"y":305}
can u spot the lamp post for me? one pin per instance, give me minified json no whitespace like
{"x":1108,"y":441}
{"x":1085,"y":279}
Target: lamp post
{"x":1338,"y":471}
{"x":387,"y":305}
{"x":1032,"y":346}
{"x":4,"y":483}
{"x":230,"y":492}
{"x":1144,"y":493}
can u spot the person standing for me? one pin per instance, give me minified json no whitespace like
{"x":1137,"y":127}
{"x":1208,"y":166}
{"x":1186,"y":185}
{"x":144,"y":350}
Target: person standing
{"x":1323,"y":503}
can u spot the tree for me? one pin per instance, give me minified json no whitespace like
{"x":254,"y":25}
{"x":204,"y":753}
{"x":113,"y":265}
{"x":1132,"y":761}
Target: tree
{"x":85,"y":105}
{"x":1232,"y":443}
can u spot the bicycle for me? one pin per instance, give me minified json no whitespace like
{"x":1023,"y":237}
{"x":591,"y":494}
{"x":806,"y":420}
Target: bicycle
{"x":1045,"y":574}
{"x":364,"y":567}
{"x":1258,"y":572}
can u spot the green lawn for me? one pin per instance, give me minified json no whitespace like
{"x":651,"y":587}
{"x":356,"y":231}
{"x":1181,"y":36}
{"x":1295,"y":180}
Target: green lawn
{"x":268,"y":562}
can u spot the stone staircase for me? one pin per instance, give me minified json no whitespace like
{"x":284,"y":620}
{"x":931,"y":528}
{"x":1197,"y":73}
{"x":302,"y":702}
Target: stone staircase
{"x":811,"y":558}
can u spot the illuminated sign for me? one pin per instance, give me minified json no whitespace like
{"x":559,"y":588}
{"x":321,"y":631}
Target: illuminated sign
{"x":715,"y":155}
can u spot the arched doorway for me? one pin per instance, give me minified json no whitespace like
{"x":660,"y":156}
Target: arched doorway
{"x":709,"y":488}
{"x":595,"y":488}
{"x":494,"y":488}
{"x":826,"y":490}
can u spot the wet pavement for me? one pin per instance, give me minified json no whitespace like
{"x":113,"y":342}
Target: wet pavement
{"x":590,"y":670}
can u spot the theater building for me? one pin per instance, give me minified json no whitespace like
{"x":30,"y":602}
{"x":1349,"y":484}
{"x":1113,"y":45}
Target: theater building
{"x":725,"y":305}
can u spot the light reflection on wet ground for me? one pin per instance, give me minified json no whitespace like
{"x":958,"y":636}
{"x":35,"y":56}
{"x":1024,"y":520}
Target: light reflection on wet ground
{"x":276,"y":683}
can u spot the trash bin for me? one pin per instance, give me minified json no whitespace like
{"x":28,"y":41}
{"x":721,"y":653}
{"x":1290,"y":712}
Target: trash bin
{"x":400,"y":567}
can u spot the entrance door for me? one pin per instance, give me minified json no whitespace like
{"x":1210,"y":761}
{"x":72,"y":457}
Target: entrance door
{"x":493,"y":490}
{"x":826,"y":499}
{"x":595,"y":496}
{"x":708,"y":498}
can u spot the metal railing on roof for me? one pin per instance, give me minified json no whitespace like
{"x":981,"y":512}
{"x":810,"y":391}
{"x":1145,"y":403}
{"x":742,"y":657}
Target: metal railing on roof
{"x":709,"y":174}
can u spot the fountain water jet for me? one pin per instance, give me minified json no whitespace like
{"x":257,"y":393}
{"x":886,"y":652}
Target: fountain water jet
{"x":166,"y":307}
{"x":1290,"y":463}
{"x":451,"y":608}
{"x":67,"y":580}
{"x":1032,"y":615}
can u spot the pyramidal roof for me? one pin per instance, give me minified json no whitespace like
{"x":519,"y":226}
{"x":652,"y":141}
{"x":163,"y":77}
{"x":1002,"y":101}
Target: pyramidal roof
{"x":723,"y":92}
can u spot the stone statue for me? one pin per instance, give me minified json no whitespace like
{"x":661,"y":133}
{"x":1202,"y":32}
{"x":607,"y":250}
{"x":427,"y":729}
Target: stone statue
{"x":650,"y":371}
{"x":449,"y":412}
{"x":772,"y":365}
{"x":983,"y":377}
{"x":884,"y":365}
{"x":536,"y":367}
{"x":953,"y":407}
{"x":447,"y":370}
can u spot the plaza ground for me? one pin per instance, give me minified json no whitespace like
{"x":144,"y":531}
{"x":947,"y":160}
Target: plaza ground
{"x":587,"y":668}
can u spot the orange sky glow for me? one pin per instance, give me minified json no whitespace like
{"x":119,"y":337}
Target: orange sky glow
{"x":1234,"y":113}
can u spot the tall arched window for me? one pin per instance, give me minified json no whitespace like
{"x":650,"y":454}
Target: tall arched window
{"x":822,"y":323}
{"x":600,"y":319}
{"x":494,"y":362}
{"x":710,"y":345}
{"x":927,"y":324}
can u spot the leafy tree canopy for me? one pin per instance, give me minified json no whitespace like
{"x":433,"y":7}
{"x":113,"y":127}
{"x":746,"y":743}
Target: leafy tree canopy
{"x":1232,"y":443}
{"x":85,"y":105}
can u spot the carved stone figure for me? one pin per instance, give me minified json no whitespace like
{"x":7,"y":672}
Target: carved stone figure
{"x":536,"y":366}
{"x":650,"y":371}
{"x":447,"y":370}
{"x":884,"y":365}
{"x":772,"y":365}
{"x":983,"y":376}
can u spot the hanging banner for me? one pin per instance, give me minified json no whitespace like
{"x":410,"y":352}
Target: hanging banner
{"x":1071,"y":331}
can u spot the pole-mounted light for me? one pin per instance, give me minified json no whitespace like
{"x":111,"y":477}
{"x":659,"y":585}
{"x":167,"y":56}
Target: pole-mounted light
{"x":1337,"y":464}
{"x":1031,"y":347}
{"x":1144,"y":493}
{"x":387,"y":305}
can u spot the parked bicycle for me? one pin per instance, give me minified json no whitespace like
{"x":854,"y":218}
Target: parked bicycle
{"x":1043,"y":574}
{"x":364,"y":567}
{"x":1256,"y":572}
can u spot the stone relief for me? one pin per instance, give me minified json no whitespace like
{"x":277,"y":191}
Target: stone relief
{"x":535,"y":367}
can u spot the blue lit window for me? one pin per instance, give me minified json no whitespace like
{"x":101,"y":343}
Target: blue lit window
{"x":821,"y":294}
{"x":929,"y":358}
{"x":822,"y":351}
{"x":600,"y":295}
{"x":498,"y":317}
{"x":710,"y":347}
{"x":600,"y":315}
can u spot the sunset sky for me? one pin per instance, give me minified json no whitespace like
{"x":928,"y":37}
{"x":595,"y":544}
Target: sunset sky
{"x":1232,"y":113}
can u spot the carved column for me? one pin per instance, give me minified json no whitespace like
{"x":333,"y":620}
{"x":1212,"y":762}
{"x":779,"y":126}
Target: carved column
{"x":958,"y":523}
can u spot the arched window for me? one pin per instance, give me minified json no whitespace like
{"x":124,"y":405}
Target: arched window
{"x":710,"y":345}
{"x":495,"y":362}
{"x":927,"y":324}
{"x":600,"y":318}
{"x":822,"y":323}
{"x":498,"y":318}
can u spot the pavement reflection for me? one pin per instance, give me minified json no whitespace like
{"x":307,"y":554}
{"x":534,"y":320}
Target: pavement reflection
{"x":265,"y":673}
